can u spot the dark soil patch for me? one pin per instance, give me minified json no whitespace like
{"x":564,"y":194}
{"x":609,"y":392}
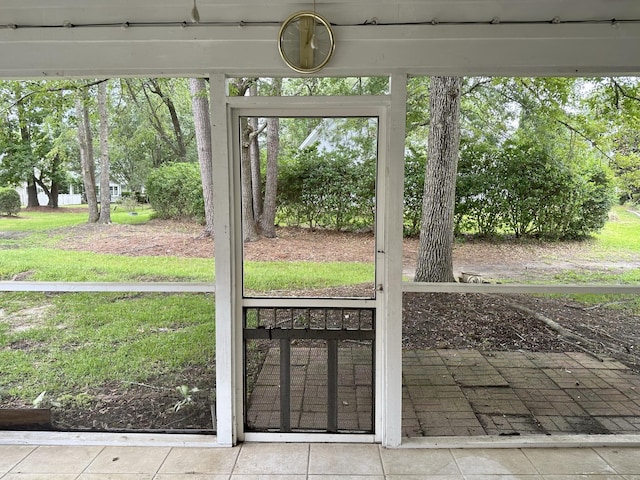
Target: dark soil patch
{"x":492,"y":323}
{"x":156,"y":405}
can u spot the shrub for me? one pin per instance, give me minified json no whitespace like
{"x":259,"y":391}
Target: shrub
{"x":414,"y":167}
{"x":478,"y":194}
{"x":326,"y":189}
{"x":174,"y":191}
{"x":9,"y":201}
{"x":523,"y":189}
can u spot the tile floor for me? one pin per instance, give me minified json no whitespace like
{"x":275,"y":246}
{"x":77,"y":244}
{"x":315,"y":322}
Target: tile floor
{"x":263,"y":461}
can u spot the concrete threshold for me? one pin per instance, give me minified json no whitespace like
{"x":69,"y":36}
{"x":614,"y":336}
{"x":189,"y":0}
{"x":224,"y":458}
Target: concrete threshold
{"x":200,"y":441}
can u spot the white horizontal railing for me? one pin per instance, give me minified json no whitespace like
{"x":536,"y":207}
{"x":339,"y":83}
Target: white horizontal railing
{"x":426,"y":287}
{"x":407,"y":287}
{"x":162,"y":287}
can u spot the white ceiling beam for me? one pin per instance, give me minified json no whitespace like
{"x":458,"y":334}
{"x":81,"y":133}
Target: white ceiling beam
{"x":547,"y":49}
{"x":337,"y":11}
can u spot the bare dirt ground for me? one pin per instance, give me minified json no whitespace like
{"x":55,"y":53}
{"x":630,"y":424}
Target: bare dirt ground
{"x":484,"y":322}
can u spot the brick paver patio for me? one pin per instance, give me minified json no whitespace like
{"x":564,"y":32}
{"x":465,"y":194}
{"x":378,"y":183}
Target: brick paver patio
{"x":467,"y":392}
{"x":464,"y":393}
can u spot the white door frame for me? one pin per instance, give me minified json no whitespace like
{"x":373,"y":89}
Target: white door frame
{"x":226,"y":112}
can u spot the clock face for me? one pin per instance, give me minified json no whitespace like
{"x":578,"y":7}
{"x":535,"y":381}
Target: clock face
{"x":306,"y":42}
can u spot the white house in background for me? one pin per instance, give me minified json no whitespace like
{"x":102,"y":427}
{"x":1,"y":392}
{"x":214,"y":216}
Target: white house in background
{"x":324,"y":135}
{"x":114,"y":188}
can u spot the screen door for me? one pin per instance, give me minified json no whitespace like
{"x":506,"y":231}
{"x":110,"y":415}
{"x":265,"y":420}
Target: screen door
{"x":309,"y":223}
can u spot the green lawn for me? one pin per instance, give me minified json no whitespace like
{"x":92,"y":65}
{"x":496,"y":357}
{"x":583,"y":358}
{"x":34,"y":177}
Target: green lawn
{"x":66,"y":343}
{"x":49,"y":264}
{"x":621,"y":236}
{"x":42,"y":220}
{"x":73,"y":342}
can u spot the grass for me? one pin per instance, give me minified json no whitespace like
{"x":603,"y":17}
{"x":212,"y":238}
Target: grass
{"x":619,"y":241}
{"x":86,"y":340}
{"x":620,"y":236}
{"x":271,"y":276}
{"x":48,"y":264}
{"x":43,"y":220}
{"x":631,"y":276}
{"x":67,"y":344}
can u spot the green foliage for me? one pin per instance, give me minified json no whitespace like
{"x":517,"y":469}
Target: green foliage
{"x":609,"y":116}
{"x":524,"y":190}
{"x":9,"y":201}
{"x":478,"y":208}
{"x":175,"y":191}
{"x":529,"y":164}
{"x":326,"y":189}
{"x":36,"y":135}
{"x":414,"y":166}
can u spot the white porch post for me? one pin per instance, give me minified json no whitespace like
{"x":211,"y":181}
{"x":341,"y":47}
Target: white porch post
{"x":225,"y":265}
{"x":393,"y":208}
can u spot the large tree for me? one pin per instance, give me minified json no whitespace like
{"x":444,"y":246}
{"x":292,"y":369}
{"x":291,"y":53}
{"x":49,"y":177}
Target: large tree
{"x":248,"y":134}
{"x":134,"y":146}
{"x":267,"y":215}
{"x":164,"y":103}
{"x":202,"y":125}
{"x":435,"y":251}
{"x":105,"y":170}
{"x":34,"y":137}
{"x":87,"y":162}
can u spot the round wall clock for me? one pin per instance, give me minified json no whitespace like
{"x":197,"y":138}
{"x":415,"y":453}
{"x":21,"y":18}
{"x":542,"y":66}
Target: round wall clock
{"x":306,"y":42}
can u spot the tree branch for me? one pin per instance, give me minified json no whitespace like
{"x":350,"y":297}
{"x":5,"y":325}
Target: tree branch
{"x":477,"y":84}
{"x":579,"y":133}
{"x":624,"y":93}
{"x":253,"y":134}
{"x":69,"y":86}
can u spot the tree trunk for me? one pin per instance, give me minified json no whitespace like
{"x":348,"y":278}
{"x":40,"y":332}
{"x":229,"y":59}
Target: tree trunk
{"x":53,"y":199}
{"x":435,"y":251}
{"x":249,"y":230}
{"x":55,"y":185}
{"x":180,"y":147}
{"x":85,"y":140}
{"x":268,"y":216}
{"x":202,"y":125}
{"x":45,"y":189}
{"x":105,"y":169}
{"x":256,"y":174}
{"x":249,"y":225}
{"x":25,"y":135}
{"x":32,"y":193}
